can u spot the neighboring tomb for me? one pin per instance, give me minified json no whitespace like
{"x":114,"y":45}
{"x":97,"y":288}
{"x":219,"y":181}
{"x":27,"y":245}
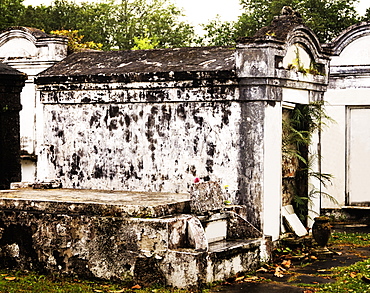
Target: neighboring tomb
{"x":346,"y":142}
{"x":11,"y":84}
{"x":30,"y":51}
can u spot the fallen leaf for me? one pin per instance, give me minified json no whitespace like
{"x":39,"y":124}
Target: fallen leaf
{"x":136,"y":287}
{"x":96,"y":290}
{"x":279,"y":272}
{"x":251,"y":279}
{"x":239,"y":279}
{"x":10,"y":278}
{"x":118,"y":291}
{"x":353,"y":274}
{"x":286,"y":263}
{"x":262,"y":270}
{"x":307,"y":291}
{"x":313,"y":257}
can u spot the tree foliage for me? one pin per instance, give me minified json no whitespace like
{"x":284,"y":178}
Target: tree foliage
{"x":75,"y":43}
{"x":114,"y":25}
{"x":10,"y":11}
{"x":218,"y":33}
{"x":327,"y":18}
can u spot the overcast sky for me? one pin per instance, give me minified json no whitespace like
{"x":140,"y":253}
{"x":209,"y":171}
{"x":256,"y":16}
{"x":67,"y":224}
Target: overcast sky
{"x":200,"y":11}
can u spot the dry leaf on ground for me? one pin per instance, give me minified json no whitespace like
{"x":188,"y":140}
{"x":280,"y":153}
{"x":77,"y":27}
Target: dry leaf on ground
{"x":279,"y":272}
{"x":286,"y":263}
{"x":264,"y":270}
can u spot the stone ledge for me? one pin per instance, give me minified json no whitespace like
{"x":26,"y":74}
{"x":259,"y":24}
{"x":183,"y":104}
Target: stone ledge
{"x":95,"y":202}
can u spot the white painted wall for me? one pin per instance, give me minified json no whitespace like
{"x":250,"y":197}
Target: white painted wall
{"x":356,"y":53}
{"x":272,"y":171}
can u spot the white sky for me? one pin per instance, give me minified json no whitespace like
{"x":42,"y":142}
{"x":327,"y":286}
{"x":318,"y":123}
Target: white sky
{"x":200,"y":11}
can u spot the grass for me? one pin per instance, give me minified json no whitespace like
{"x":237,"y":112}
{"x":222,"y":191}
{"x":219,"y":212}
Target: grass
{"x":353,"y":278}
{"x":349,"y":279}
{"x":353,"y":239}
{"x":15,"y":282}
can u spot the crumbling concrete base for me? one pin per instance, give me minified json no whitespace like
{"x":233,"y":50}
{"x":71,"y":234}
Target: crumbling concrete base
{"x":172,"y":249}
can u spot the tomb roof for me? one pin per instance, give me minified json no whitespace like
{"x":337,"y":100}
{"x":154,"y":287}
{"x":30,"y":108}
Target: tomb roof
{"x":114,"y":63}
{"x":8,"y":70}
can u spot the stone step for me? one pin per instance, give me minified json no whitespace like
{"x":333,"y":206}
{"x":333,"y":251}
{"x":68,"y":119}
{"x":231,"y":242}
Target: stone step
{"x":232,"y":245}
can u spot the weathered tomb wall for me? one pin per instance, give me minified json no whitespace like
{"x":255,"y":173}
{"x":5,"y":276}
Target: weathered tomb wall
{"x":152,"y":136}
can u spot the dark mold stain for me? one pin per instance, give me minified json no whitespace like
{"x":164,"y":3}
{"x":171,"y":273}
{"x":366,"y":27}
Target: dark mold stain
{"x":95,"y":119}
{"x":154,"y":110}
{"x":75,"y":165}
{"x":195,"y":146}
{"x":209,"y":166}
{"x":181,"y":112}
{"x":128,"y":135}
{"x":98,"y":172}
{"x":192,"y":170}
{"x":127,"y":120}
{"x":152,"y":147}
{"x":150,"y":122}
{"x":211,"y":147}
{"x":113,"y":125}
{"x":225,"y":116}
{"x":113,"y":111}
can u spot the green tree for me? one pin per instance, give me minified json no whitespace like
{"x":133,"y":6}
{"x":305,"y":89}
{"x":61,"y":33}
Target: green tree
{"x":75,"y":43}
{"x":10,"y":11}
{"x":367,"y":15}
{"x":115,"y":25}
{"x":155,"y":20}
{"x":37,"y":17}
{"x":218,"y":33}
{"x":327,"y":18}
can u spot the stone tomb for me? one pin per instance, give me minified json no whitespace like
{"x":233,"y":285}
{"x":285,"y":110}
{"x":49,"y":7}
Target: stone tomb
{"x":156,"y":121}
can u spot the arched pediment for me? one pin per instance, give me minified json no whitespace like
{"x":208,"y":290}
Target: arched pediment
{"x":30,"y":43}
{"x":352,"y":46}
{"x":297,"y":41}
{"x":17,"y":43}
{"x":305,"y":40}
